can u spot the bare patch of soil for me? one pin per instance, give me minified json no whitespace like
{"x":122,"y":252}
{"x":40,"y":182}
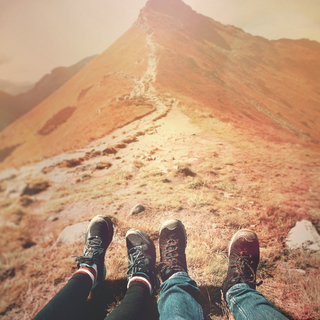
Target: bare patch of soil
{"x":4,"y":153}
{"x":57,"y":120}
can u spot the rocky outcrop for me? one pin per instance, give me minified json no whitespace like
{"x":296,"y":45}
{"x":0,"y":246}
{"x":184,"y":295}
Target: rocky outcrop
{"x":73,"y":234}
{"x":304,"y":236}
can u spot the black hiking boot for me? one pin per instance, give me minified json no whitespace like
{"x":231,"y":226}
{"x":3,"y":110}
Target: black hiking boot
{"x":97,"y":239}
{"x":141,"y":257}
{"x":243,"y":260}
{"x":172,"y":242}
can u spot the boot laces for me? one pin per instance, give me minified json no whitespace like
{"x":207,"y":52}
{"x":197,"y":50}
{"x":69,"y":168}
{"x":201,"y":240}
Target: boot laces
{"x":92,"y":248}
{"x":171,"y":255}
{"x":136,"y":259}
{"x":244,"y":270}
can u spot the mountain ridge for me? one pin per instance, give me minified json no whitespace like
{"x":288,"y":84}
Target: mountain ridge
{"x":13,"y":107}
{"x":14,"y":88}
{"x":235,"y":77}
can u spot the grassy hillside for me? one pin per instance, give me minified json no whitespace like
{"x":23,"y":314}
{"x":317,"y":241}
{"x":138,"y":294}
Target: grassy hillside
{"x":208,"y":176}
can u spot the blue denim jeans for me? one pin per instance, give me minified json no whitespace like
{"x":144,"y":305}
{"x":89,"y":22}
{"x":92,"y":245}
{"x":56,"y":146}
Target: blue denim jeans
{"x":178,"y":299}
{"x":246,"y":303}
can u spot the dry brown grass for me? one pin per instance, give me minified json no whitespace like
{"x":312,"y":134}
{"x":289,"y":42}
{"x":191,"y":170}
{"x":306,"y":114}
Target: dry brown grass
{"x":225,"y":192}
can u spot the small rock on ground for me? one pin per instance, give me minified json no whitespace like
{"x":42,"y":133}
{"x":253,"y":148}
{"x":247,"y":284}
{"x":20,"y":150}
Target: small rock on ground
{"x":185,"y":172}
{"x":130,"y":168}
{"x":103,"y":165}
{"x":137,"y":209}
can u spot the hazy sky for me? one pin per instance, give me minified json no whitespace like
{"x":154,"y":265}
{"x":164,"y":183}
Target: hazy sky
{"x":39,"y":35}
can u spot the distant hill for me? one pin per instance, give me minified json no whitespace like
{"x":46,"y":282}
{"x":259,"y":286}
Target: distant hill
{"x":15,"y":88}
{"x":7,"y":110}
{"x":14,"y":106}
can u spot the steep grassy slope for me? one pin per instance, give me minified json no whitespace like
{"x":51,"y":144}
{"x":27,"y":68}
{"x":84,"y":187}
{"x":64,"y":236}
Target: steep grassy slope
{"x":271,"y":88}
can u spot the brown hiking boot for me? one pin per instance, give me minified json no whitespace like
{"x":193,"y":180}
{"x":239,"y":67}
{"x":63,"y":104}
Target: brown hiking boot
{"x":243,"y":260}
{"x":172,"y":242}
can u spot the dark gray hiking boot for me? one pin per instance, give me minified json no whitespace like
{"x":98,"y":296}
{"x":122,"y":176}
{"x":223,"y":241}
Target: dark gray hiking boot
{"x":141,"y":256}
{"x":97,"y":239}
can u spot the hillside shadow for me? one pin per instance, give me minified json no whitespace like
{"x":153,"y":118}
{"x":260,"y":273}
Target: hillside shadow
{"x":104,"y":299}
{"x":6,"y":152}
{"x":57,"y":120}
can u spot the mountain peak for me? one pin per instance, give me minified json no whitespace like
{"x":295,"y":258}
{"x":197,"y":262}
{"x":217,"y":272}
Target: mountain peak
{"x":170,"y":7}
{"x":175,"y":16}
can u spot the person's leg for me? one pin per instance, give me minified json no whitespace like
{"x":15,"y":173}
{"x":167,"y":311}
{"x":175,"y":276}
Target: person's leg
{"x":248,"y":303}
{"x":141,"y":277}
{"x":178,"y":291}
{"x":178,"y":298}
{"x":240,"y":283}
{"x":68,"y":303}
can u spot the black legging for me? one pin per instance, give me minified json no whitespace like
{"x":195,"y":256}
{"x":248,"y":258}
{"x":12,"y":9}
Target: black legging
{"x":69,"y":302}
